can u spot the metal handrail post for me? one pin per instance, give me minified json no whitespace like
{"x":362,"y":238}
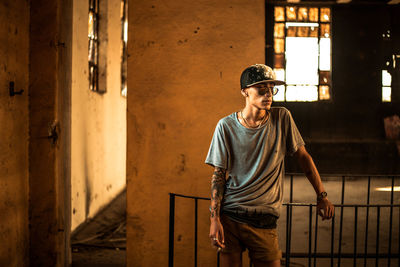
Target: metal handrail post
{"x":196,"y":208}
{"x":171,"y":229}
{"x":310,"y":234}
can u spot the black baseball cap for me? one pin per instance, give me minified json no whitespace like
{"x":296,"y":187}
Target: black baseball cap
{"x":258,"y":73}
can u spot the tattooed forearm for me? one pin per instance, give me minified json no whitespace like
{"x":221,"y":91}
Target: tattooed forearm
{"x":217,"y":191}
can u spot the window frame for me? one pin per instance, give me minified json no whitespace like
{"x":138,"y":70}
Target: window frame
{"x":270,"y":46}
{"x":93,"y":46}
{"x":387,"y":86}
{"x":124,"y":48}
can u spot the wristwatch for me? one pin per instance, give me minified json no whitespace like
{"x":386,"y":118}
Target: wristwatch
{"x":321,"y":196}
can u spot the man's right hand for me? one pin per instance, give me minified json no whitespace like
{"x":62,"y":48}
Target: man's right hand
{"x":217,"y":233}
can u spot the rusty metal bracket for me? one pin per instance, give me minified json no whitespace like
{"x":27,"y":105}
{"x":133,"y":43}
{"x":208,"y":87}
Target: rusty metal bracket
{"x":12,"y":90}
{"x":53,"y":132}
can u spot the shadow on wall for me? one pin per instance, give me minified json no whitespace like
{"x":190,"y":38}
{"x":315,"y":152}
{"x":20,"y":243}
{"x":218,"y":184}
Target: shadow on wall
{"x":107,"y":228}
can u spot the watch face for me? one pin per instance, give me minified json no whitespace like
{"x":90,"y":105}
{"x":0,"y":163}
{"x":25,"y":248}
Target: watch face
{"x":322,"y":195}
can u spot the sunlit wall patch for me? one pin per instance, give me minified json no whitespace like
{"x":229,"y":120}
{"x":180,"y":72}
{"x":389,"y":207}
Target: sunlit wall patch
{"x":302,"y":52}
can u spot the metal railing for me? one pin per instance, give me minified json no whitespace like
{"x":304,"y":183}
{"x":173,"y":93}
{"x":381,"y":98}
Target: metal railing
{"x":311,"y":255}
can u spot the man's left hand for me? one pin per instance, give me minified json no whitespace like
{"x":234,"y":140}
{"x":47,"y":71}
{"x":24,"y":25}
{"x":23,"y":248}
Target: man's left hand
{"x":325,"y":209}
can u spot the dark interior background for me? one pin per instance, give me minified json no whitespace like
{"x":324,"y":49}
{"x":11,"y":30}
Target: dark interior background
{"x":346,"y":134}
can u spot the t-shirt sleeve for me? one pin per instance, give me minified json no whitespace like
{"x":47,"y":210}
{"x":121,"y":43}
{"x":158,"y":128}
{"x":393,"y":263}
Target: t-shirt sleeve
{"x":218,"y":154}
{"x":293,"y":136}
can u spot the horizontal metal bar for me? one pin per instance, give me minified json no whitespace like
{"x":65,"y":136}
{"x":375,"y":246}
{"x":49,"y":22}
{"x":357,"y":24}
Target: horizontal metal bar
{"x":346,"y":205}
{"x":192,"y":197}
{"x":308,"y":204}
{"x":345,"y":175}
{"x":301,"y":24}
{"x":326,"y":3}
{"x":342,"y":255}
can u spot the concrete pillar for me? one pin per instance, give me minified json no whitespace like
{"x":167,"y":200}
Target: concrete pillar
{"x":184,"y":66}
{"x":14,"y":54}
{"x":49,"y":101}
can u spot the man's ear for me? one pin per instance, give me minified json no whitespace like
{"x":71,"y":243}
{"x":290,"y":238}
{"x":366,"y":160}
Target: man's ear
{"x":244,"y":92}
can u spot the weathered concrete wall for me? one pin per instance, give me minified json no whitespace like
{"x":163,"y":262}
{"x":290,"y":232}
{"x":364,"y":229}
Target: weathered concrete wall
{"x":185,"y":60}
{"x":49,"y":98}
{"x":98,"y":133}
{"x":14,"y":54}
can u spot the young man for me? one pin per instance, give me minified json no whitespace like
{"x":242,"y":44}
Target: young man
{"x":250,"y":146}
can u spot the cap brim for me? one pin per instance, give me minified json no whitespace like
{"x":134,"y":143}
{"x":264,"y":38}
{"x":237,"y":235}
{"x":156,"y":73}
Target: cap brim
{"x":277,"y":82}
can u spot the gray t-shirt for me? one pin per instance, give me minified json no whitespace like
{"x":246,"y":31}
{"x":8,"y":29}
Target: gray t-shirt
{"x":254,"y":160}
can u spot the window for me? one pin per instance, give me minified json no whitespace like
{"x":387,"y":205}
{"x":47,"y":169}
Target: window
{"x":302,"y":52}
{"x":386,"y":86}
{"x":124,"y":43}
{"x":93,"y":45}
{"x":389,"y":67}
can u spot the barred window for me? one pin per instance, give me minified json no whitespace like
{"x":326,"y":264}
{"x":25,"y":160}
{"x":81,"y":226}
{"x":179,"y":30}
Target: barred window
{"x":302,"y":52}
{"x":93,"y":57}
{"x":388,"y":68}
{"x":124,"y":43}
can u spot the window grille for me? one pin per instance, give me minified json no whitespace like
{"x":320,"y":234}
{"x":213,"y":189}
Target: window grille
{"x":302,"y":52}
{"x":124,"y":43}
{"x":93,"y":52}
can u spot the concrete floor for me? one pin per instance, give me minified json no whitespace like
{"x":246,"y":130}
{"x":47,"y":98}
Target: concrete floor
{"x":92,"y":256}
{"x":101,"y":240}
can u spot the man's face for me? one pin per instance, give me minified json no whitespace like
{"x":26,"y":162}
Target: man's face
{"x":260,"y":95}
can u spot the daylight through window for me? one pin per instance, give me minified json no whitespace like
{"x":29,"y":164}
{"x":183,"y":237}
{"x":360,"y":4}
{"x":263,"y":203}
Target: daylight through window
{"x":124,"y":46}
{"x":386,"y":86}
{"x":302,"y":52}
{"x":93,"y":45}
